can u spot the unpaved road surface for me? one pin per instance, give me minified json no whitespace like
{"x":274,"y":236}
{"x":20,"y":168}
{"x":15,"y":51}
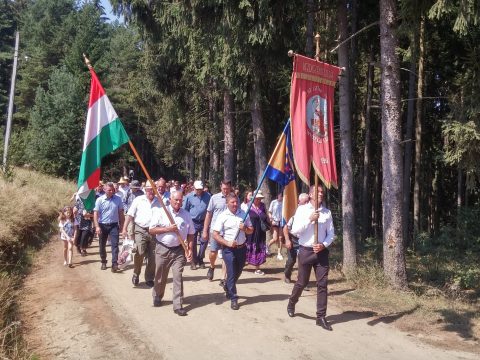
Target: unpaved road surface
{"x":86,"y":313}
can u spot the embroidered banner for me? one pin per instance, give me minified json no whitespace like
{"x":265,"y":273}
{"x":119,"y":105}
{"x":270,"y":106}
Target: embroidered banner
{"x":311,"y":113}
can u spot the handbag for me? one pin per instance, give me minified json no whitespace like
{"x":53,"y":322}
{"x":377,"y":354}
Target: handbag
{"x":264,"y":225}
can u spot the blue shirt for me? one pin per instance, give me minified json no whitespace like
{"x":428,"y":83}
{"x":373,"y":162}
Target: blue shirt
{"x":108,"y":209}
{"x":197,"y":206}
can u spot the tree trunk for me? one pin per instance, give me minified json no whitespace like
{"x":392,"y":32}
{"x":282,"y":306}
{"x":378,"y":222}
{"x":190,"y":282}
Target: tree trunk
{"x":348,"y":212}
{"x":228,"y":137}
{"x":392,"y":164}
{"x":366,"y":204}
{"x":309,"y":29}
{"x":418,"y":132}
{"x":407,"y":170}
{"x":214,"y":143}
{"x":259,"y":136}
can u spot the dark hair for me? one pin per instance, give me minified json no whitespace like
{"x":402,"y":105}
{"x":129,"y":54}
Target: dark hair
{"x":227,"y":182}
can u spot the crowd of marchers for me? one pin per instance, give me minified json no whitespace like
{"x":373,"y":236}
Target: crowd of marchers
{"x":173,"y":224}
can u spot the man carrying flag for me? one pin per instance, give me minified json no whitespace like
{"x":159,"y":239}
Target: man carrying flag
{"x":104,"y":133}
{"x":311,"y":111}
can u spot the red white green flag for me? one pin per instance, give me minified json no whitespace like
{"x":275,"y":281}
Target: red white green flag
{"x":104,"y":133}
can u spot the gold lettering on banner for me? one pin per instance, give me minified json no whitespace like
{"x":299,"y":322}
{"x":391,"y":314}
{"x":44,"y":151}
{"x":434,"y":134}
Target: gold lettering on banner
{"x":318,"y":70}
{"x":317,"y":139}
{"x":315,"y":78}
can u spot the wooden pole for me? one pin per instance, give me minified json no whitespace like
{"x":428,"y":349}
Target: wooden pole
{"x":152,"y":184}
{"x":147,"y":175}
{"x":315,"y":192}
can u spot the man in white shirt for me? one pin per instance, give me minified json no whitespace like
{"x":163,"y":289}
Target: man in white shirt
{"x":140,"y":213}
{"x":228,"y":224}
{"x":169,"y":252}
{"x":275,"y":215}
{"x":216,"y":206}
{"x":312,"y":254}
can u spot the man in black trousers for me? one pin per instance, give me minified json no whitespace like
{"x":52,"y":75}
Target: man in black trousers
{"x":312,"y":254}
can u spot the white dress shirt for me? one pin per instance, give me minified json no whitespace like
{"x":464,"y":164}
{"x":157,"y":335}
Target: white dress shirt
{"x":141,"y":210}
{"x":303,"y":228}
{"x":227,"y":225}
{"x":183,"y":220}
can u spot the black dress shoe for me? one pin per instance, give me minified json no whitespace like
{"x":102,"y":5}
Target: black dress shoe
{"x":201,"y":266}
{"x":103,"y":267}
{"x":149,"y":283}
{"x":234,"y":305}
{"x":135,"y":280}
{"x":322,"y":322}
{"x":180,"y":312}
{"x":291,"y":310}
{"x":193,"y":267}
{"x":114,"y":268}
{"x":157,"y":301}
{"x":288,"y":280}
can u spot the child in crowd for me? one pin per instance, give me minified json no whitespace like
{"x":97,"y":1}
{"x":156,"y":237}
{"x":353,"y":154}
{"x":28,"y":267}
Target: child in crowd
{"x":65,"y":224}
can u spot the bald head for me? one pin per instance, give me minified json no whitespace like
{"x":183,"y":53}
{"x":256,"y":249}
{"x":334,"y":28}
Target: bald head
{"x":303,"y":199}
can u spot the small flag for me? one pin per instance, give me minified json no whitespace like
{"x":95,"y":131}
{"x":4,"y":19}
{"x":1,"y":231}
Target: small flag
{"x":104,"y":133}
{"x":280,"y":169}
{"x":311,"y":111}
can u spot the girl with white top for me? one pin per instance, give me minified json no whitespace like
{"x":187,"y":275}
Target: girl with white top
{"x":66,"y":227}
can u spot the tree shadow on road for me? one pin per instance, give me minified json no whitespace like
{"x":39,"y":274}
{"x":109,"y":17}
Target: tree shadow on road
{"x":263,"y":298}
{"x":257,"y":280}
{"x":459,"y":322}
{"x":387,"y":319}
{"x":350,"y":315}
{"x":339,"y":292}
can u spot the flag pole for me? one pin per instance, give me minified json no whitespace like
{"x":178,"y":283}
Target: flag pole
{"x":315,"y":193}
{"x":262,"y":179}
{"x":152,"y":184}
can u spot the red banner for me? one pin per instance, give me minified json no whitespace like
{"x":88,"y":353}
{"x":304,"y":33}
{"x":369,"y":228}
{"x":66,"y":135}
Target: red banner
{"x":311,"y":113}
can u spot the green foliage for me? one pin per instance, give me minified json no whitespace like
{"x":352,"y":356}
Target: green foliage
{"x":462,"y":147}
{"x":54,"y":144}
{"x":7,"y":41}
{"x":466,"y":13}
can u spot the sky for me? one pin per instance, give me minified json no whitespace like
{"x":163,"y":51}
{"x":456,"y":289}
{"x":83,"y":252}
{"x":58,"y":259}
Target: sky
{"x":108,"y":11}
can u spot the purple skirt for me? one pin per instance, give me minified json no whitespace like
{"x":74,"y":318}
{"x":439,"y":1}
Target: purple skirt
{"x":256,"y":253}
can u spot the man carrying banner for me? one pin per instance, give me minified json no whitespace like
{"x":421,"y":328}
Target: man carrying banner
{"x":225,"y":230}
{"x":168,"y":252}
{"x":108,"y":216}
{"x":312,"y":254}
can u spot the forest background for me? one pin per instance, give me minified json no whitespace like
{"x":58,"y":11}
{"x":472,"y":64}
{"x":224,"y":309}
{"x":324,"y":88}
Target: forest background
{"x":202,"y":88}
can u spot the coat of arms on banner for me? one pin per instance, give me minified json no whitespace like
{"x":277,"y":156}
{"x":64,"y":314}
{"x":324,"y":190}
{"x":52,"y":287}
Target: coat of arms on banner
{"x":317,"y":117}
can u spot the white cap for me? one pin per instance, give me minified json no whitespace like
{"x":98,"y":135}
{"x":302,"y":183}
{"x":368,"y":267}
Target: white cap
{"x":198,"y":185}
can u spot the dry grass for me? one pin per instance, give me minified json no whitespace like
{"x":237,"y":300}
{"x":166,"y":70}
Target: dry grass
{"x":28,"y":204}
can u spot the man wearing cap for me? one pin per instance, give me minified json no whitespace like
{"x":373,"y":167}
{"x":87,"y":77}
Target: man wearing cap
{"x":312,"y":254}
{"x":131,"y":194}
{"x":216,"y":205}
{"x":140,"y":214}
{"x":108,"y":217}
{"x":229,"y":231}
{"x":196,"y":204}
{"x":169,"y":252}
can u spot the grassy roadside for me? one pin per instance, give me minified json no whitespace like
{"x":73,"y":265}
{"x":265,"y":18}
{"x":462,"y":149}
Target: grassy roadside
{"x":29,"y":202}
{"x":442,"y":315}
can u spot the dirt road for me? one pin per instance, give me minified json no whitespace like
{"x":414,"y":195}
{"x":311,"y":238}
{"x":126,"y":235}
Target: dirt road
{"x":85,"y":313}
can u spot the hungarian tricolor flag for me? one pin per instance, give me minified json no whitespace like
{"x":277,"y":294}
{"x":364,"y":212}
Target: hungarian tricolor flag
{"x":311,"y":113}
{"x":104,"y":133}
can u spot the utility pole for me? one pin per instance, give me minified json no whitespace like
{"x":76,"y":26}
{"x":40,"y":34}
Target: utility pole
{"x":10,"y":101}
